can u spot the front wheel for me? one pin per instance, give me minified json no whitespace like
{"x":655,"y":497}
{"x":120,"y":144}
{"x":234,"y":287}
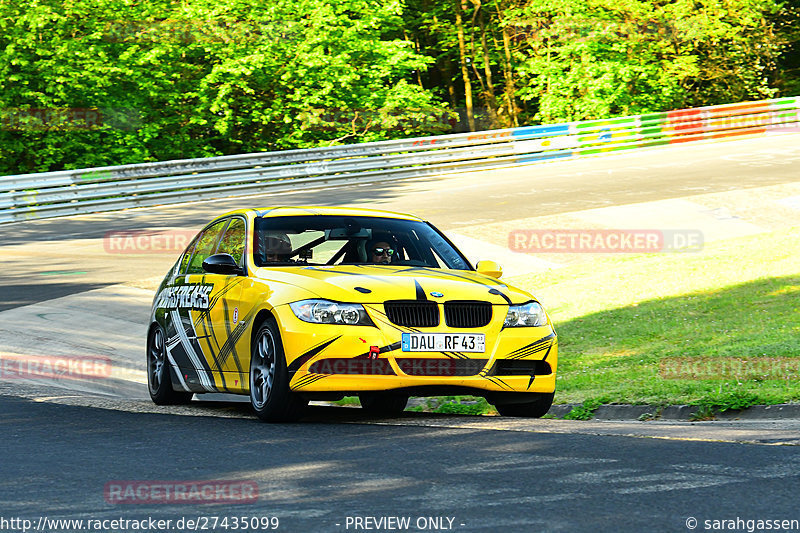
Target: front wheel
{"x":159,"y":377}
{"x":270,"y":396}
{"x":535,"y":409}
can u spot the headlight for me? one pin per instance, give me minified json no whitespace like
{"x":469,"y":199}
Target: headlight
{"x":525,"y":315}
{"x":327,"y":312}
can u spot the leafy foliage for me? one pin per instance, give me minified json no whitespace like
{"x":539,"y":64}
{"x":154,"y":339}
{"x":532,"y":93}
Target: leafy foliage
{"x":104,"y":82}
{"x":601,"y":58}
{"x":201,"y":79}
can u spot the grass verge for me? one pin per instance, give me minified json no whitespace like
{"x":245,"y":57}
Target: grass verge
{"x":719,"y":329}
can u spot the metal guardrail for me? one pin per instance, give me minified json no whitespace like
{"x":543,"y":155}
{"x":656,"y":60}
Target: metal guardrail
{"x":53,"y":194}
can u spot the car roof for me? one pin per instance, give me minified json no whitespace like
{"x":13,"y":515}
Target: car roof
{"x":288,"y":211}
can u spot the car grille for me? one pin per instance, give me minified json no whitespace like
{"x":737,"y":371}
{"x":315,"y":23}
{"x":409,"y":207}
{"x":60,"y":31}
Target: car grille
{"x":467,"y":314}
{"x":412,"y":313}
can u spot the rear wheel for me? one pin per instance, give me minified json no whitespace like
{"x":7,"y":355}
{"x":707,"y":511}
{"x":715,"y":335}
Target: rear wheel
{"x":270,"y":396}
{"x":534,"y":409}
{"x":383,"y":404}
{"x":159,"y":377}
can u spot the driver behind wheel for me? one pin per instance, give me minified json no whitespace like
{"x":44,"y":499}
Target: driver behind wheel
{"x":277,"y":247}
{"x":382,"y":250}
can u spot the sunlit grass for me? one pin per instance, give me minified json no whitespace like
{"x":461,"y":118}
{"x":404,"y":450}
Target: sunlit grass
{"x":619,"y":319}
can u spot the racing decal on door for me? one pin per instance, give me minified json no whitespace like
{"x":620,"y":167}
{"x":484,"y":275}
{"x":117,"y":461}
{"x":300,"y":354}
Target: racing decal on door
{"x":184,"y":351}
{"x":185,"y":354}
{"x":228,"y":348}
{"x":185,"y":297}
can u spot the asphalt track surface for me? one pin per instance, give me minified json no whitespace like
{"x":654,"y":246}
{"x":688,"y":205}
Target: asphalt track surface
{"x":313,"y":476}
{"x":61,"y":448}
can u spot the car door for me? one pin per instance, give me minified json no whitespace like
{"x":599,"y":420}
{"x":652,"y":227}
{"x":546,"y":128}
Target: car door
{"x":195,"y":314}
{"x":230,"y":315}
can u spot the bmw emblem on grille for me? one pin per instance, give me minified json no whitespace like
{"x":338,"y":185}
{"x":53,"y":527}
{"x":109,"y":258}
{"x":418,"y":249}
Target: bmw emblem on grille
{"x":437,"y":294}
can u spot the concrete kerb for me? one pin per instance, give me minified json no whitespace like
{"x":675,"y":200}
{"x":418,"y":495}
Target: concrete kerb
{"x":682,"y":412}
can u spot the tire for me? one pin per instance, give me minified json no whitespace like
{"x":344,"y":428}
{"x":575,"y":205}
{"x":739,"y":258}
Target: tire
{"x":383,"y":404}
{"x":159,"y":375}
{"x":535,"y":409}
{"x":270,"y":396}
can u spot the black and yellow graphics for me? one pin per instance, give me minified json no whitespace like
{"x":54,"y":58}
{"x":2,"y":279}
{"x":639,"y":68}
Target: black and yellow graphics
{"x":286,"y":301}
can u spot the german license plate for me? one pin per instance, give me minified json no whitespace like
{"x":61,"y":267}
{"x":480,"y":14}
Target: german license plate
{"x":444,"y":342}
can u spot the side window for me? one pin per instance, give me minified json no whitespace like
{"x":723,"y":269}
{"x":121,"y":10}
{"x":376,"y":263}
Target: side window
{"x":233,"y":241}
{"x":187,"y":255}
{"x":206,"y":244}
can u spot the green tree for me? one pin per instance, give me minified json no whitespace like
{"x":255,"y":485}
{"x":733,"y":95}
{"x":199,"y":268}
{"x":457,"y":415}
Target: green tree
{"x":786,"y":75}
{"x":591,"y":59}
{"x":104,"y":82}
{"x":173,"y":80}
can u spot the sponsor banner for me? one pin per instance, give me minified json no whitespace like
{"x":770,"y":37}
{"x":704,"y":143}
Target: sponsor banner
{"x":723,"y":123}
{"x":688,"y":125}
{"x":684,"y":124}
{"x":733,"y":133}
{"x":548,"y":130}
{"x":180,"y":492}
{"x":607,"y":124}
{"x":651,"y":125}
{"x":604,"y":241}
{"x":54,"y":367}
{"x":607,"y":133}
{"x":685,"y":119}
{"x":738,"y":368}
{"x":561,"y":154}
{"x":747,"y":108}
{"x":551,"y":143}
{"x":491,"y":136}
{"x":147,"y":242}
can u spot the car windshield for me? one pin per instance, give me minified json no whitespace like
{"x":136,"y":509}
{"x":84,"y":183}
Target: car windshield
{"x":347,"y":240}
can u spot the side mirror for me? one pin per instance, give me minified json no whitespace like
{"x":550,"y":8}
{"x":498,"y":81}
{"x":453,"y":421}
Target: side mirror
{"x":222,"y":264}
{"x":489,"y":268}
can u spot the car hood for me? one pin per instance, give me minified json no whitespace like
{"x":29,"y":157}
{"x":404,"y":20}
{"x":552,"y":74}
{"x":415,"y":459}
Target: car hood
{"x":371,"y":284}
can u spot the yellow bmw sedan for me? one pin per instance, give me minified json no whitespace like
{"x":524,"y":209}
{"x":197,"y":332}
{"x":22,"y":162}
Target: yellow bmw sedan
{"x":293,"y":304}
